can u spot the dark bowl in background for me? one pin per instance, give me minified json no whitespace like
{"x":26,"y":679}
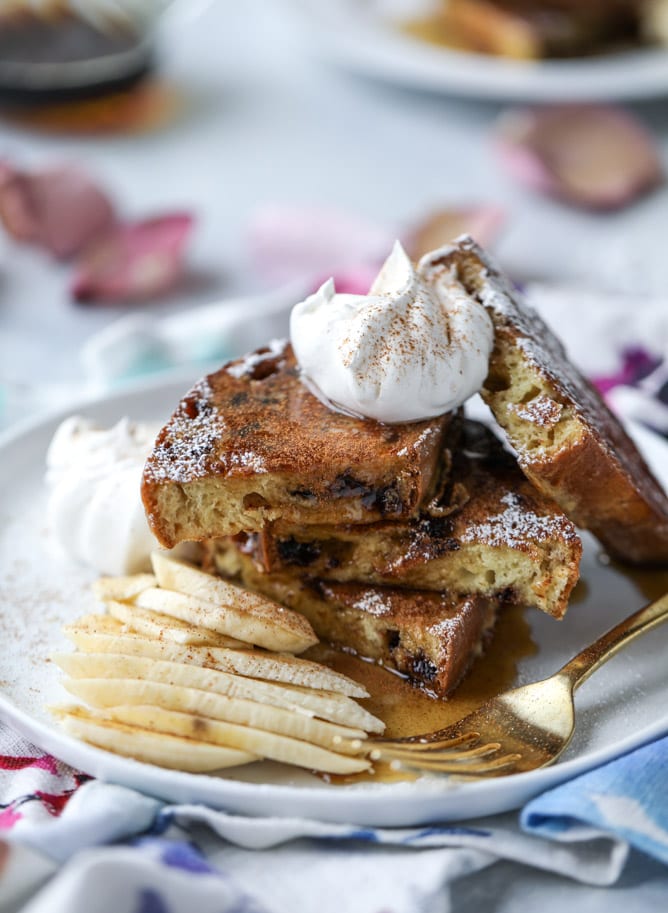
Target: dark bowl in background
{"x":59,"y":54}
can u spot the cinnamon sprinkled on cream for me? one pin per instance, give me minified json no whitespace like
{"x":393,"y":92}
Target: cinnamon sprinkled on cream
{"x":409,"y":350}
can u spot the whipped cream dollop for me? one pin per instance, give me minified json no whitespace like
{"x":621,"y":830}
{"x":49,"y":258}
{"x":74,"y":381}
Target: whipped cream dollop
{"x":410,"y":350}
{"x":95,"y":509}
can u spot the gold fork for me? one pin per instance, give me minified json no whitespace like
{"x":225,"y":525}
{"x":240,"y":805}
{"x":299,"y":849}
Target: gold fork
{"x":519,"y":730}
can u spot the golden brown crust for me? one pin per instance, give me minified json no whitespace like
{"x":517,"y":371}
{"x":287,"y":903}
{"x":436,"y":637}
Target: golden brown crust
{"x":491,"y":532}
{"x":432,"y":638}
{"x":568,"y":443}
{"x":249,"y":444}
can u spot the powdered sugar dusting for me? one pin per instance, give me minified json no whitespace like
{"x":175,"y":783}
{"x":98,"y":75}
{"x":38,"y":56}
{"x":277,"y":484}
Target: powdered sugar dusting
{"x":541,"y":411}
{"x":446,"y":626}
{"x":421,"y":439}
{"x":248,"y":460}
{"x":516,"y":525}
{"x":373,"y":603}
{"x":179,"y":456}
{"x":245,"y":367}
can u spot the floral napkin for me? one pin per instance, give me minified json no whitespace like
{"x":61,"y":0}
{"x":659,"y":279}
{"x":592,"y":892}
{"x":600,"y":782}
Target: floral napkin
{"x":73,"y":845}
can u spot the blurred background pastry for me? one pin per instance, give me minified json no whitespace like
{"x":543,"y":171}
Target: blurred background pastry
{"x":536,"y":29}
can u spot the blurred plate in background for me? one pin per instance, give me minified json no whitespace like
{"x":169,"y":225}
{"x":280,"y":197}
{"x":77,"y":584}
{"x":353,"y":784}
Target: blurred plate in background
{"x":365,"y":37}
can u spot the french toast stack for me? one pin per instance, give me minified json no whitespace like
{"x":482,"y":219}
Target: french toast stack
{"x":402,"y":542}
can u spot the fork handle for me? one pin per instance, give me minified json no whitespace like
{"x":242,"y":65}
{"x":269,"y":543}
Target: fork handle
{"x":581,"y":666}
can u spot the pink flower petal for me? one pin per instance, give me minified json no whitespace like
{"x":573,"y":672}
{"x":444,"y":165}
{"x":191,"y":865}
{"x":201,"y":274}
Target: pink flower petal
{"x":444,"y":225}
{"x":16,"y":213}
{"x":291,"y":241}
{"x":134,"y":262}
{"x":60,"y":208}
{"x":593,"y":156}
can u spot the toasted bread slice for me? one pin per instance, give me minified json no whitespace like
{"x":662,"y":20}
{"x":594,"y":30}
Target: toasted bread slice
{"x":492,"y":533}
{"x":250,"y":444}
{"x":432,"y":638}
{"x":567,"y":441}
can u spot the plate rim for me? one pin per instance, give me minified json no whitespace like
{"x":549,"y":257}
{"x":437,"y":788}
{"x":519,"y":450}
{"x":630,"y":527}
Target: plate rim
{"x":229,"y":793}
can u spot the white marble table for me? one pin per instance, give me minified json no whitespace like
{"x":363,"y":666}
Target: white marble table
{"x":269,"y":121}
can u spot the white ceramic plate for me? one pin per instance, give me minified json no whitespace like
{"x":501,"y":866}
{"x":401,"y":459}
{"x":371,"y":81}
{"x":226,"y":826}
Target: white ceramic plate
{"x":362,"y":35}
{"x":620,"y":707}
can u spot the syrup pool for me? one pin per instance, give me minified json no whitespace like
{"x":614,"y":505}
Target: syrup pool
{"x":407,"y":711}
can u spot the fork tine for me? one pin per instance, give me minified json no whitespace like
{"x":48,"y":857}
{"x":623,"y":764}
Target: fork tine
{"x":460,"y":768}
{"x":434,"y":754}
{"x":420,"y":743}
{"x":508,"y":760}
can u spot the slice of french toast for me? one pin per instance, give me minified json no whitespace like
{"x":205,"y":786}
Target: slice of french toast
{"x":250,"y":444}
{"x":490,"y":532}
{"x":567,"y":441}
{"x":432,"y":638}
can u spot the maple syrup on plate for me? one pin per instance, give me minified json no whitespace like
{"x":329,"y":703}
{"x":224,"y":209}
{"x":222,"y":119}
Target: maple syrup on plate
{"x":408,"y":711}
